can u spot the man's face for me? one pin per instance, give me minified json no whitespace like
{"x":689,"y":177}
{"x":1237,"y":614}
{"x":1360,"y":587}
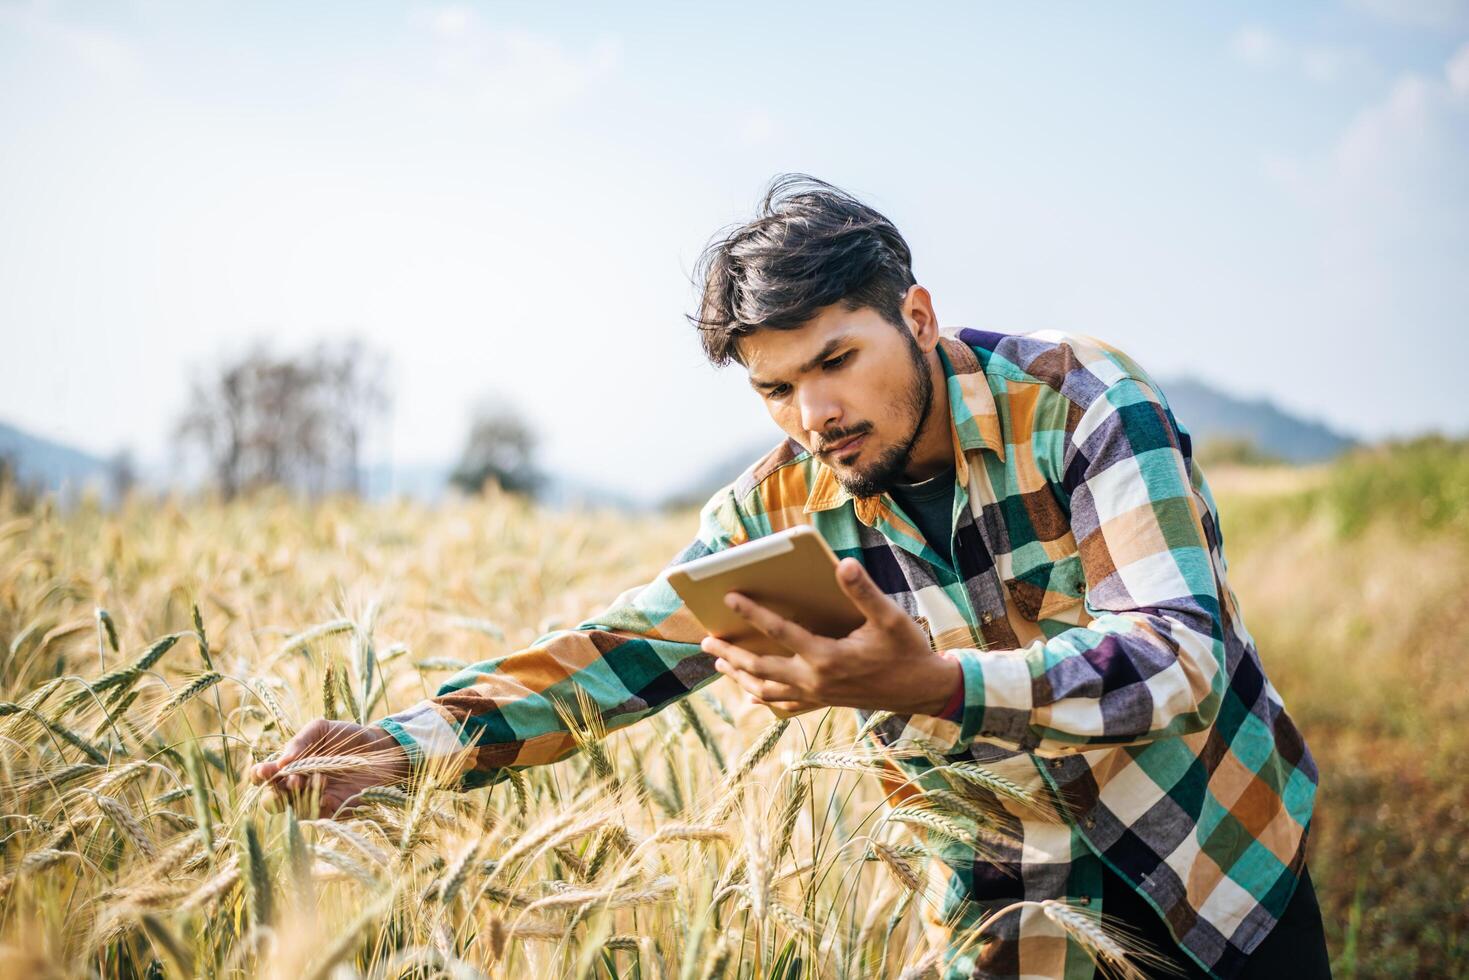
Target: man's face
{"x":850,"y":387}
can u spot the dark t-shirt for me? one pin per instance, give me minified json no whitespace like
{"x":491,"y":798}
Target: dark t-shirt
{"x":930,"y":505}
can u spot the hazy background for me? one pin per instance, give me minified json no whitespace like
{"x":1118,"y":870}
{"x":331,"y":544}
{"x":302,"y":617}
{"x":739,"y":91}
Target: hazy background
{"x":508,"y":198}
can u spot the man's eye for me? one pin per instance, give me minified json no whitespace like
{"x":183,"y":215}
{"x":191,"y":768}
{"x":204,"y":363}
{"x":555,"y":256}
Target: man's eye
{"x":838,"y":361}
{"x":779,"y":391}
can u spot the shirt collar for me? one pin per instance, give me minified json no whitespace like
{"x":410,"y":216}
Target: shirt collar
{"x":973,"y":424}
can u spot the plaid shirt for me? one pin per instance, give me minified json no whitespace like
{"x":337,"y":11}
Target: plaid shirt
{"x":1105,"y":660}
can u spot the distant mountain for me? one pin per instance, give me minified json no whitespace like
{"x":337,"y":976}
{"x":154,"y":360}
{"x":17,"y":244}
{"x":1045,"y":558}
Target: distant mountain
{"x":46,"y":465}
{"x":1208,"y":413}
{"x":1205,"y":411}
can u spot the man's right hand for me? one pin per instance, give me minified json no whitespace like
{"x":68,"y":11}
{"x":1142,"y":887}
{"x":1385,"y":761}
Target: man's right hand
{"x":378,"y":761}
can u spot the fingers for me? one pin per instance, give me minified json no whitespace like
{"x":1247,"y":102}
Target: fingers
{"x":762,"y":689}
{"x":303,"y":741}
{"x":873,"y":603}
{"x":315,"y":738}
{"x":777,"y":627}
{"x":784,"y":669}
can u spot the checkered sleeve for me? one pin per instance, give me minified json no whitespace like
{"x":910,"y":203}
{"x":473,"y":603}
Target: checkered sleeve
{"x":1150,"y":662}
{"x":637,"y":656}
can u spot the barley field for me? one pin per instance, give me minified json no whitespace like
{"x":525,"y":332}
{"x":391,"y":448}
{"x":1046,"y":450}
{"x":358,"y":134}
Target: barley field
{"x":148,"y":655}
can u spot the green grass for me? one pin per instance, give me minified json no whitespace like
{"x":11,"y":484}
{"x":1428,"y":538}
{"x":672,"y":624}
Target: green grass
{"x":1356,"y":589}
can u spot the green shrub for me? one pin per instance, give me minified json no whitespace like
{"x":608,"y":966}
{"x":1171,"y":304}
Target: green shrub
{"x":1422,"y":484}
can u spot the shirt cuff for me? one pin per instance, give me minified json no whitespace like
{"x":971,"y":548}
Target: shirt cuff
{"x":424,"y":734}
{"x":953,"y":709}
{"x":997,"y":699}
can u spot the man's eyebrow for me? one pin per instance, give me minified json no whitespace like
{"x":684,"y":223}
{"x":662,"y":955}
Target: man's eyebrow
{"x":826,"y":351}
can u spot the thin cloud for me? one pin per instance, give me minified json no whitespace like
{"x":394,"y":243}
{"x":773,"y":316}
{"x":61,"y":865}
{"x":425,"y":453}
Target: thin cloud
{"x":1393,"y":147}
{"x":110,"y":56}
{"x":1447,"y":15}
{"x":1257,"y":47}
{"x":1323,"y":64}
{"x":508,"y":69}
{"x":1458,"y":72}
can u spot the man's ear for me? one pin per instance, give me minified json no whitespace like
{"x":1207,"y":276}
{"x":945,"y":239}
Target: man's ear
{"x":922,"y":322}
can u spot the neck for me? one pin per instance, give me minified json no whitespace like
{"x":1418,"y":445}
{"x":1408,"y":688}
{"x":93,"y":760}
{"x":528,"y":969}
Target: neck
{"x":934,"y":451}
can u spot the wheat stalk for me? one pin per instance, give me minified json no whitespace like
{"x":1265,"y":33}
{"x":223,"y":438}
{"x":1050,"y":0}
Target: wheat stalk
{"x":839,"y":760}
{"x":456,"y":872}
{"x":345,"y":863}
{"x":127,"y":824}
{"x":931,"y":820}
{"x":873,"y":722}
{"x":257,"y":878}
{"x":307,"y":765}
{"x":718,"y":959}
{"x":349,"y":836}
{"x":117,"y":778}
{"x":688,"y":831}
{"x":307,"y":637}
{"x":762,"y":747}
{"x":978,"y":775}
{"x":214,"y":888}
{"x":123,"y":676}
{"x":272,"y":704}
{"x":610,"y":898}
{"x":183,"y":695}
{"x":959,"y":806}
{"x":894,"y":861}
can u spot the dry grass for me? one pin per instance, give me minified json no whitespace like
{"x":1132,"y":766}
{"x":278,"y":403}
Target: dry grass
{"x":705,"y":842}
{"x":1359,"y":603}
{"x":152,"y":654}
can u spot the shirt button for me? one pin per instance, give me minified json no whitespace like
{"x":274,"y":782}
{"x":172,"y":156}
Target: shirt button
{"x":1057,"y":763}
{"x":986,"y":617}
{"x":1091,"y":822}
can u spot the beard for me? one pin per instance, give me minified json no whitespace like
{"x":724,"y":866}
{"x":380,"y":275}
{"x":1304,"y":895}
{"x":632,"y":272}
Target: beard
{"x":887,"y":469}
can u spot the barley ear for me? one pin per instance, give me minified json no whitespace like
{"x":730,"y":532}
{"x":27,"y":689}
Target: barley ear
{"x":199,"y":791}
{"x":718,"y":961}
{"x":107,"y":627}
{"x":170,"y":944}
{"x":1114,"y":946}
{"x":302,"y":886}
{"x":257,"y":877}
{"x":329,"y":689}
{"x":201,"y":637}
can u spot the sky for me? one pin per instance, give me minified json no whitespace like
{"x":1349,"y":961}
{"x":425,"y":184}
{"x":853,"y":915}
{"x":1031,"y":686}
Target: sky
{"x":509,"y":200}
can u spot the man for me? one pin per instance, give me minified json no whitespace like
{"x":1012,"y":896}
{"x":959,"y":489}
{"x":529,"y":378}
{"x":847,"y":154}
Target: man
{"x":1040,"y":564}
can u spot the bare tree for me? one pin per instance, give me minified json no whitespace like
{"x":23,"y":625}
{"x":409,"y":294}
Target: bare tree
{"x":295,"y":422}
{"x":122,"y":474}
{"x":501,"y":446}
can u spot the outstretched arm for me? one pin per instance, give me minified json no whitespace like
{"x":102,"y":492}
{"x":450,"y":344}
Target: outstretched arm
{"x":639,"y":655}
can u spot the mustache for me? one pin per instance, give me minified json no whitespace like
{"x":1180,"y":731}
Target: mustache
{"x":832,"y":438}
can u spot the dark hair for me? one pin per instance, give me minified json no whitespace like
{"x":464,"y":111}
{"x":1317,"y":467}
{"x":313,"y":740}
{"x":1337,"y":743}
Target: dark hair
{"x":810,"y":245}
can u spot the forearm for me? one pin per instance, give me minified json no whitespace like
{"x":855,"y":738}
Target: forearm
{"x":505,"y":712}
{"x":637,"y":656}
{"x":1125,"y":678}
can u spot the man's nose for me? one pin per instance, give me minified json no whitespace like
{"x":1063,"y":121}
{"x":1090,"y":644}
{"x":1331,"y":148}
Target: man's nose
{"x":819,"y":411}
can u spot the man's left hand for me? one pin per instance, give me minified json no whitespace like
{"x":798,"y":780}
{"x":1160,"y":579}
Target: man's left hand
{"x":886,"y":664}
